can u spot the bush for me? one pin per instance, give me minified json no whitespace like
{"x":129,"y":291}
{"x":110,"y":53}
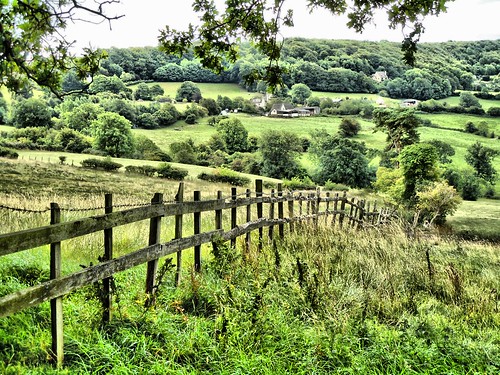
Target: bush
{"x":146,"y":170}
{"x":469,"y":187}
{"x":299,"y":184}
{"x":493,"y":111}
{"x":105,"y":164}
{"x":9,"y":154}
{"x":165,"y":170}
{"x":225,"y":176}
{"x":333,"y":186}
{"x":349,"y":127}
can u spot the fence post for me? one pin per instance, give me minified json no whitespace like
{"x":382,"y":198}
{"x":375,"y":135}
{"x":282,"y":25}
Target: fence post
{"x":361,"y":213}
{"x":342,"y":209}
{"x":218,"y":213}
{"x":316,"y":202}
{"x":374,"y":212}
{"x":234,"y":214}
{"x":197,"y":230}
{"x":179,"y":198}
{"x":258,"y":190}
{"x":154,"y":238}
{"x":281,"y":215}
{"x":56,"y":307}
{"x":218,"y":217}
{"x":327,"y":209}
{"x":351,"y":212}
{"x":271,"y":216}
{"x":248,"y":218}
{"x":335,"y":208}
{"x":290,"y":210}
{"x":108,"y":255}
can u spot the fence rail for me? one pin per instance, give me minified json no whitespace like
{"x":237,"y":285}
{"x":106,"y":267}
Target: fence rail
{"x":301,"y":207}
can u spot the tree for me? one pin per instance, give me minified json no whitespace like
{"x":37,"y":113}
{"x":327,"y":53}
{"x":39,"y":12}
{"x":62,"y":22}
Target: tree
{"x":112,"y":84}
{"x":31,"y":112}
{"x":189,"y":91}
{"x":280,"y":150}
{"x":349,"y":127}
{"x":419,"y":164}
{"x":400,"y":125}
{"x":33,"y":47}
{"x":142,"y":92}
{"x":481,"y":158}
{"x":300,"y":92}
{"x":112,"y":134}
{"x":340,"y":160}
{"x":167,"y":114}
{"x":3,"y":109}
{"x":436,"y":201}
{"x":261,"y":21}
{"x":444,"y":150}
{"x":211,"y":106}
{"x":72,"y":141}
{"x":468,"y":100}
{"x":233,"y":134}
{"x":80,"y":118}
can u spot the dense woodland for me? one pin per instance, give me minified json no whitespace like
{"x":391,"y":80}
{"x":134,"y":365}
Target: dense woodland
{"x":334,"y":65}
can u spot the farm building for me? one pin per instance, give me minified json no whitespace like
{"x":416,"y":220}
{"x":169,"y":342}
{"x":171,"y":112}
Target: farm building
{"x":288,"y":110}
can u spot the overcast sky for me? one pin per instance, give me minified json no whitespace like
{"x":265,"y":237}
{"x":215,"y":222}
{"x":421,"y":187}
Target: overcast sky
{"x":465,"y":20}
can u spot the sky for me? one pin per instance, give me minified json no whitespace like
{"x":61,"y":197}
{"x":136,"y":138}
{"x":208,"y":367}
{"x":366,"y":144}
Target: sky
{"x":465,"y":20}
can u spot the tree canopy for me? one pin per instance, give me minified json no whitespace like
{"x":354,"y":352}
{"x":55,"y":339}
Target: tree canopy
{"x":213,"y":41}
{"x":33,"y":45}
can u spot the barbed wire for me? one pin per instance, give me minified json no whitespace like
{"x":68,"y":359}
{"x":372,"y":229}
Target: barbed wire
{"x":25,"y":210}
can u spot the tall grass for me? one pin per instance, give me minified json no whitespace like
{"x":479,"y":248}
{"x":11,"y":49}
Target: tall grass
{"x":331,"y":301}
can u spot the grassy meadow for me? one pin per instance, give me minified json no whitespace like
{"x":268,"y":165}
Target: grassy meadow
{"x":332,"y":302}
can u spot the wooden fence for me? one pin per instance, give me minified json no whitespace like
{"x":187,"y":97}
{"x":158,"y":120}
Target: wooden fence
{"x":333,"y":208}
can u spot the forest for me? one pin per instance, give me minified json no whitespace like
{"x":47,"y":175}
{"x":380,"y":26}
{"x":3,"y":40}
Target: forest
{"x":333,"y":65}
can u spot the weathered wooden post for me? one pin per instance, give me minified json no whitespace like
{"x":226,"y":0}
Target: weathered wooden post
{"x":154,"y":238}
{"x":342,"y":209}
{"x":248,"y":218}
{"x":218,"y":217}
{"x":234,"y":214}
{"x":315,"y":207}
{"x":281,"y":214}
{"x":260,"y":213}
{"x":351,"y":212}
{"x":56,"y":307}
{"x":197,"y":230}
{"x":361,"y":213}
{"x":290,"y":210}
{"x":335,"y":208}
{"x":271,"y":215}
{"x":179,"y":198}
{"x":327,"y":209}
{"x":108,"y":255}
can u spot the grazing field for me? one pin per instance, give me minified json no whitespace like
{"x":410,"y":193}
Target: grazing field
{"x":208,"y":90}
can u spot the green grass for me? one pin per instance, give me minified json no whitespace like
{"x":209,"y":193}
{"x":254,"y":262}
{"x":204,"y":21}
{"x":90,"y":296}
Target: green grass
{"x":208,"y":90}
{"x":477,"y":219}
{"x":337,"y":302}
{"x":485,"y":103}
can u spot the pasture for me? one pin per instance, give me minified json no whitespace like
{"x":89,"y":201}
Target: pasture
{"x":338,"y":301}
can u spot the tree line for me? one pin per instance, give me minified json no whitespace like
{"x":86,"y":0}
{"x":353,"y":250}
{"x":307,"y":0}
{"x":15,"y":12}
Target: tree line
{"x":331,"y":65}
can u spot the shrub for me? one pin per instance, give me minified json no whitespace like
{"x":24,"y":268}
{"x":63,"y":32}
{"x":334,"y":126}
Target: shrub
{"x":146,"y":170}
{"x":105,"y":164}
{"x":296,"y":183}
{"x":469,"y":187}
{"x":165,"y":170}
{"x":493,"y":111}
{"x":335,"y":186}
{"x":349,"y":127}
{"x":9,"y":154}
{"x":226,"y":176}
